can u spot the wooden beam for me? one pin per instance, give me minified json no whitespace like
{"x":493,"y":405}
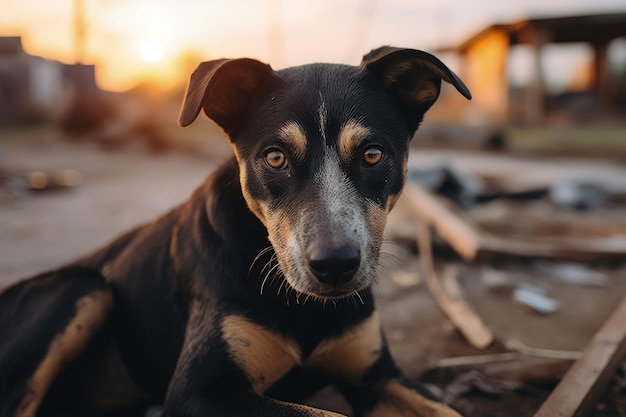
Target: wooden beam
{"x":446,"y":219}
{"x":468,"y":240}
{"x":587,"y":379}
{"x":454,"y":307}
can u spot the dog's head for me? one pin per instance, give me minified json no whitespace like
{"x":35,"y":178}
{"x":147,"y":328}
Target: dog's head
{"x":322,"y":152}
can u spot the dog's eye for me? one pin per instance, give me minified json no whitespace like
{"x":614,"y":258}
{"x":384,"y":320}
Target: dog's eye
{"x":276,"y":159}
{"x":372,"y":156}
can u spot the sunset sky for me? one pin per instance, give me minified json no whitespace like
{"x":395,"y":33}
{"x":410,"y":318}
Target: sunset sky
{"x":131,"y":40}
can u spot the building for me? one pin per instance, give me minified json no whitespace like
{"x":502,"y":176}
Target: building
{"x":33,"y":88}
{"x":485,"y":61}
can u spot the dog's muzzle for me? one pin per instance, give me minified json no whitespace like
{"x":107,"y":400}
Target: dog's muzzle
{"x":333,"y":265}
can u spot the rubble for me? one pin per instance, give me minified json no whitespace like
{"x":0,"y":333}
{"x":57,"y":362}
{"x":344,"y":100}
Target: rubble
{"x":587,"y":379}
{"x":552,"y":229}
{"x":510,"y":236}
{"x":573,"y":273}
{"x":535,"y":299}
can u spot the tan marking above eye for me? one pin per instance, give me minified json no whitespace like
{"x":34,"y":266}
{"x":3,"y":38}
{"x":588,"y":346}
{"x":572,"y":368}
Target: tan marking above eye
{"x":293,"y":137}
{"x":351,"y":137}
{"x":372,"y":155}
{"x":276,"y":159}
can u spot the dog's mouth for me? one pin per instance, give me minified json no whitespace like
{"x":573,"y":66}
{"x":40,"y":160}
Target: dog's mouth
{"x":307,"y":281}
{"x":329,"y":267}
{"x":337,"y":293}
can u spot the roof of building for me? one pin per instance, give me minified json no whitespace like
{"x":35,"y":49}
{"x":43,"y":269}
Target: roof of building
{"x":10,"y":45}
{"x":596,"y":28}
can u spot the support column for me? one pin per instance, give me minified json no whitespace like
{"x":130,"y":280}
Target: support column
{"x":602,"y":76}
{"x":535,"y":102}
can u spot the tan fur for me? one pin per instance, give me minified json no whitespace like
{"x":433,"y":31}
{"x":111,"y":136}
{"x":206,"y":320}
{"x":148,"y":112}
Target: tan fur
{"x":350,"y":137}
{"x":393,"y":198}
{"x":257,"y":207}
{"x":351,"y":354}
{"x":294,"y":138}
{"x":91,"y":312}
{"x":264,"y":355}
{"x":422,"y":90}
{"x":377,"y":219}
{"x":310,"y":411}
{"x":400,"y":401}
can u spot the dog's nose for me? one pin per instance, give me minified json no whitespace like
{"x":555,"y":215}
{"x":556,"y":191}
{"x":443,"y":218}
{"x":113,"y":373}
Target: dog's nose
{"x":334,"y":265}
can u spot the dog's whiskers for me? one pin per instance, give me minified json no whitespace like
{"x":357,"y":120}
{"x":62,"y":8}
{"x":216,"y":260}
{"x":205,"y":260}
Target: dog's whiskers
{"x":356,"y":293}
{"x":270,"y":272}
{"x":388,"y":263}
{"x":258,"y":257}
{"x":267,"y":264}
{"x":306,"y":299}
{"x":394,"y":260}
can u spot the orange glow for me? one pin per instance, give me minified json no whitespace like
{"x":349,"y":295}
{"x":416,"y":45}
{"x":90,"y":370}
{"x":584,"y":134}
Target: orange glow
{"x":131,"y":41}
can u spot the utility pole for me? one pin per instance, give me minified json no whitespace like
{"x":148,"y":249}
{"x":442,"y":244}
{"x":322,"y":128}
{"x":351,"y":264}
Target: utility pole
{"x":275,"y":37}
{"x":80,"y":31}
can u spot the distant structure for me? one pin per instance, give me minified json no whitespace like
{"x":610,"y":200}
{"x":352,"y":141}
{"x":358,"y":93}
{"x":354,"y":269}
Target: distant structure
{"x":33,"y":88}
{"x":485,"y":57}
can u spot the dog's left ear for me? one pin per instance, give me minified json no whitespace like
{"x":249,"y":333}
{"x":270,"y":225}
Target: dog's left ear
{"x":412,"y":77}
{"x":225,"y":89}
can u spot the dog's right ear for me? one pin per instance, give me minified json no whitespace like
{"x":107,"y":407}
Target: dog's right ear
{"x":224,"y":88}
{"x":412,"y":78}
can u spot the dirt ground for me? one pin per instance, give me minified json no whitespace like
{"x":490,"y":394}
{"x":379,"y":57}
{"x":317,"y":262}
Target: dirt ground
{"x":44,"y":229}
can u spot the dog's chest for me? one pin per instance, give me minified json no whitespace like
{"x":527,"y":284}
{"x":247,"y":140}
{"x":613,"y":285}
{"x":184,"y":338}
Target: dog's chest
{"x":265,"y":354}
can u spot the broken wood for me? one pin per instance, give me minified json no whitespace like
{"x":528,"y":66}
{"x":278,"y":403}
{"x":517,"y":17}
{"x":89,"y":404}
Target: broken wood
{"x":459,"y":313}
{"x":447,"y":220}
{"x":519,"y":347}
{"x":529,"y":370}
{"x":587,"y":379}
{"x":469,"y":240}
{"x":578,"y":249}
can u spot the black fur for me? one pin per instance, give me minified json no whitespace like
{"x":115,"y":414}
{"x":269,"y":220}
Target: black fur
{"x":195,"y":288}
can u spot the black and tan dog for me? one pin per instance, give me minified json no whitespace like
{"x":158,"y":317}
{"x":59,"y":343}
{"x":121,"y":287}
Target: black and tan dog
{"x":260,"y":281}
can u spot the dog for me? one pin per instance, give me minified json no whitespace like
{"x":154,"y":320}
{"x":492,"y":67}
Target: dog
{"x":256,"y":290}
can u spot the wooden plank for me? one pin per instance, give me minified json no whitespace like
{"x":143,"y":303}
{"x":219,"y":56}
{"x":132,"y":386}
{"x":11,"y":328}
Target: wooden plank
{"x":455,"y":308}
{"x":577,"y":249}
{"x":448,"y":221}
{"x":468,"y":240}
{"x":587,"y":379}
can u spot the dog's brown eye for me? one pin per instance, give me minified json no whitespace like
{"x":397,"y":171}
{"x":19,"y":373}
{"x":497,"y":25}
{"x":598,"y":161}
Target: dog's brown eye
{"x":276,"y":159}
{"x":372,"y":156}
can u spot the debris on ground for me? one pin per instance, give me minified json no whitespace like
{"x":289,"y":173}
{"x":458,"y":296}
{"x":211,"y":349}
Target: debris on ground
{"x":536,"y":300}
{"x":557,"y":231}
{"x":499,"y":232}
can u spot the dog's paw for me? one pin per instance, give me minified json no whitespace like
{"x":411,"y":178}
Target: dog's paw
{"x":313,"y":412}
{"x":399,"y":401}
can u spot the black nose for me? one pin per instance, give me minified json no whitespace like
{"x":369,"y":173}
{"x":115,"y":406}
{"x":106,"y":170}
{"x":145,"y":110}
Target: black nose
{"x":333,"y":265}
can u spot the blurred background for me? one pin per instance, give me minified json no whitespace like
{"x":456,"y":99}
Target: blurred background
{"x":90,"y":92}
{"x":528,"y":63}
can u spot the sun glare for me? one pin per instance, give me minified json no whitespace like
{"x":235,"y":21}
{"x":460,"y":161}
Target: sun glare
{"x":151,"y":51}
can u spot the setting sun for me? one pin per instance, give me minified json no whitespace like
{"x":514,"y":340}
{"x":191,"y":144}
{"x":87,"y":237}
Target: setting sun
{"x":151,"y":51}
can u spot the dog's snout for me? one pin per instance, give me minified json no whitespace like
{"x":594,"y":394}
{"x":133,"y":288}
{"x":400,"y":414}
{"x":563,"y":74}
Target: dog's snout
{"x":334,"y":265}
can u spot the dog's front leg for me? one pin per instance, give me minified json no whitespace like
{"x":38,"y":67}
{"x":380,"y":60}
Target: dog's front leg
{"x":369,"y":378}
{"x":226,"y":365}
{"x":396,"y":397}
